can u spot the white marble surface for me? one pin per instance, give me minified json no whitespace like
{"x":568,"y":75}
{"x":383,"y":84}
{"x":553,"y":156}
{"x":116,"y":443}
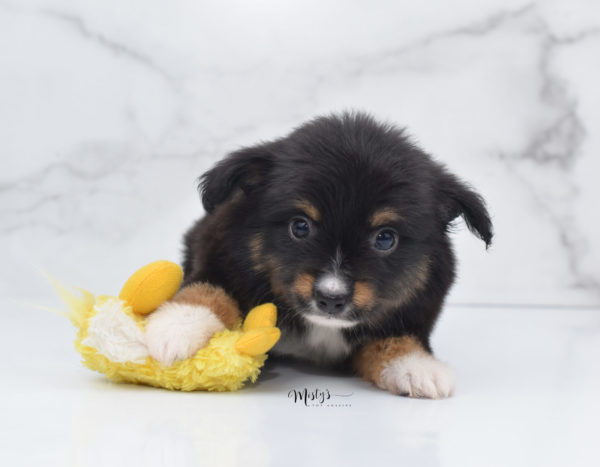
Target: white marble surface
{"x":527,"y":395}
{"x":110,"y":110}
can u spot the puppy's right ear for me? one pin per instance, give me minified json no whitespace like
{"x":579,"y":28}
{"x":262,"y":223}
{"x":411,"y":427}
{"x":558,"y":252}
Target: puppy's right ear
{"x":244,"y":169}
{"x":458,"y":199}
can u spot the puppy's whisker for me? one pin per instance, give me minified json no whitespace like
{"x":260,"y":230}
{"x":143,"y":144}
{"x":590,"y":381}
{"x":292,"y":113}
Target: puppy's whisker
{"x":286,"y":316}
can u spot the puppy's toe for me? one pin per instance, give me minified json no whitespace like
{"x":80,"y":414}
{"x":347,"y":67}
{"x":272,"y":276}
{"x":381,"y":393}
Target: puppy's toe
{"x":176,"y":331}
{"x":418,"y":375}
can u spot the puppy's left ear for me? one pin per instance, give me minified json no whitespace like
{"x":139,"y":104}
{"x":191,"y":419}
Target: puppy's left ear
{"x":245,"y":169}
{"x":457,"y":199}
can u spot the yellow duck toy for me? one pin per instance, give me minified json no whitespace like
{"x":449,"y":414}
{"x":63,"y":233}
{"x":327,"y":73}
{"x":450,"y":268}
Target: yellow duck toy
{"x":111,"y":340}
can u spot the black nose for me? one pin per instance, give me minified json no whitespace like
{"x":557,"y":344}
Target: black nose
{"x":331,"y":303}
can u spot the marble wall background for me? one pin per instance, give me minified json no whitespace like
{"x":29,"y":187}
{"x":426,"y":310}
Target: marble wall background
{"x":110,"y":110}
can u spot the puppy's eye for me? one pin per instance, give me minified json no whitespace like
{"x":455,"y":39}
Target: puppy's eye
{"x":385,"y":240}
{"x":299,"y":228}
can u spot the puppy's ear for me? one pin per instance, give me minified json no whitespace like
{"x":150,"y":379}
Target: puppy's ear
{"x":458,"y":199}
{"x":245,"y":169}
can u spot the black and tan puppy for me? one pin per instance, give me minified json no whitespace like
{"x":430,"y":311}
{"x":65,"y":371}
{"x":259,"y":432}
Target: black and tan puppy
{"x":344,"y":225}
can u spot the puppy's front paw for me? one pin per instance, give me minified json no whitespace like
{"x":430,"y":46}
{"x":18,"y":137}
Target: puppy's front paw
{"x":418,"y":375}
{"x":176,"y":331}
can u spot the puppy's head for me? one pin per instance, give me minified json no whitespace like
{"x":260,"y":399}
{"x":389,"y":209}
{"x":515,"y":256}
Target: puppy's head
{"x":343,"y":217}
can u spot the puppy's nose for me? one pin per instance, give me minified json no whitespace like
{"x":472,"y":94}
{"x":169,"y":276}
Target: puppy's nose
{"x":329,"y":303}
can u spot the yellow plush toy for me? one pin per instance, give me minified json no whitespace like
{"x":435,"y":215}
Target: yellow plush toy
{"x":110,"y":337}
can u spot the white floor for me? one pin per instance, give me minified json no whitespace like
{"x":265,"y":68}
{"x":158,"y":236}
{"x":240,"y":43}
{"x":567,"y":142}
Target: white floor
{"x":528,"y":394}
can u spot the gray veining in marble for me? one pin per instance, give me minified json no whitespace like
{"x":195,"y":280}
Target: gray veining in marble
{"x":109,"y":112}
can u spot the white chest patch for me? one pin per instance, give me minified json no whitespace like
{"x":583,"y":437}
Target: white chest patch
{"x":319,"y":344}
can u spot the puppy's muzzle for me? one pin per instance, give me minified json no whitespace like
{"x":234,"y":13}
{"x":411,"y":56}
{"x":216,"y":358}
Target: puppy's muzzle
{"x":331,"y":304}
{"x":332,"y":294}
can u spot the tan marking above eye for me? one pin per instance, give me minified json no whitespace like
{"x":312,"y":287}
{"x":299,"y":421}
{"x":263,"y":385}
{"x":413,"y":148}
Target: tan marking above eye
{"x":364,"y":295}
{"x":303,"y":285}
{"x":384,"y":216}
{"x":308,"y":208}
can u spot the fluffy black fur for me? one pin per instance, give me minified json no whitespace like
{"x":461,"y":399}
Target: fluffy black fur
{"x":347,"y":166}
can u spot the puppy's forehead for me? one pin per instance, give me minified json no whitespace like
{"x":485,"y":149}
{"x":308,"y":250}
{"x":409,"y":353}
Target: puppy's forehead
{"x":341,"y":189}
{"x":373,"y":215}
{"x":341,"y":200}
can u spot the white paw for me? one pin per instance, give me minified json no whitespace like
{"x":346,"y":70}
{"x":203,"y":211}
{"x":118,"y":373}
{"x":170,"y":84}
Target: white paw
{"x":176,"y":331}
{"x":418,"y":375}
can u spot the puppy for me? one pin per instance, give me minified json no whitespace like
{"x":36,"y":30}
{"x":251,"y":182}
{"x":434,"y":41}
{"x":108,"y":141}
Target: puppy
{"x":344,"y":225}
